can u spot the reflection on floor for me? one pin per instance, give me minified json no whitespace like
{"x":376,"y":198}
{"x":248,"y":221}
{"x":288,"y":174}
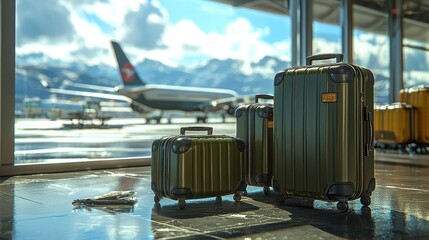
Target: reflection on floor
{"x":39,"y":207}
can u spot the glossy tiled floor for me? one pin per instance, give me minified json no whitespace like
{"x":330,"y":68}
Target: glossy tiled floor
{"x":39,"y":207}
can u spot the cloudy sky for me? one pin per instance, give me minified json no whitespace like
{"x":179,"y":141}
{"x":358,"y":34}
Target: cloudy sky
{"x":178,"y":34}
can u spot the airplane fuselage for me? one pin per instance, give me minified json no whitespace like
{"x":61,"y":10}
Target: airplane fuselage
{"x":165,"y":97}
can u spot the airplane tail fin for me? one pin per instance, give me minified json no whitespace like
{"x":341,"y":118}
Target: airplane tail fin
{"x":126,"y":69}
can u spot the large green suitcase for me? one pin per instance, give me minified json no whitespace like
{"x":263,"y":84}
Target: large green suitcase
{"x":323,"y":132}
{"x":255,"y":127}
{"x":197,"y":166}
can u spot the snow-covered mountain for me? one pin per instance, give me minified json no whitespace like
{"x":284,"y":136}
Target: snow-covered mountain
{"x":229,"y":73}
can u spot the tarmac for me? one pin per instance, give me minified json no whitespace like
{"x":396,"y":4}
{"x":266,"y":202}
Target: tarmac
{"x":40,"y":206}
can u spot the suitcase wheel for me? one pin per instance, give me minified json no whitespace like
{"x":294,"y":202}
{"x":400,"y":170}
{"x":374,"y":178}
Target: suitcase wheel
{"x":182,"y":204}
{"x":266,"y":190}
{"x":237,"y":197}
{"x":365,"y":200}
{"x":156,"y":199}
{"x":218,"y":199}
{"x":343,"y":206}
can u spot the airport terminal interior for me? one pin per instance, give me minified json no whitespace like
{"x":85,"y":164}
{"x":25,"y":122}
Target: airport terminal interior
{"x":96,"y":85}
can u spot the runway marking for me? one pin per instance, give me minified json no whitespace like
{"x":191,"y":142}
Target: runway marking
{"x":402,"y":188}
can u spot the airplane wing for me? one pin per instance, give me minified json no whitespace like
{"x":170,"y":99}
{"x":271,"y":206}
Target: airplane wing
{"x":94,"y":87}
{"x":134,"y":105}
{"x":90,"y":94}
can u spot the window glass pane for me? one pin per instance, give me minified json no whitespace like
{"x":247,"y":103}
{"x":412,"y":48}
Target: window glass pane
{"x":371,"y":48}
{"x":416,"y":50}
{"x":327,"y":38}
{"x":65,"y":70}
{"x":326,"y":27}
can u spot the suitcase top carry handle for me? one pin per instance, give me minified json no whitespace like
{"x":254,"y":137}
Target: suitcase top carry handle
{"x":263,"y":96}
{"x":338,"y":56}
{"x":196,"y":129}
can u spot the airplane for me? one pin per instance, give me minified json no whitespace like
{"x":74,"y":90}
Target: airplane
{"x":147,"y":98}
{"x":172,"y":98}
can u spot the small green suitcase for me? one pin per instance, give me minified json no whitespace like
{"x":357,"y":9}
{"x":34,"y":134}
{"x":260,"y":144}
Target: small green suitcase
{"x":255,"y":127}
{"x":323,"y":132}
{"x":197,"y":166}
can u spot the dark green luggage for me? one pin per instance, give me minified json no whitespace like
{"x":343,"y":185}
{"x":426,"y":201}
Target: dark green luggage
{"x":255,"y":127}
{"x":323,"y":132}
{"x":197,"y":166}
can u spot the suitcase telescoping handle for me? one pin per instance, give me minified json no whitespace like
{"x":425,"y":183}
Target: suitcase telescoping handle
{"x":369,"y":118}
{"x":338,"y":56}
{"x":263,"y":96}
{"x":196,"y":129}
{"x":371,"y":130}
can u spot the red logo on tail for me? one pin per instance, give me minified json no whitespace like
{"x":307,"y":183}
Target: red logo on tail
{"x":127,"y":72}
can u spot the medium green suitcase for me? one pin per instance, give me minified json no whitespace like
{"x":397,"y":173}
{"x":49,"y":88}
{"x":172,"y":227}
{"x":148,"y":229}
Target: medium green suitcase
{"x":197,"y":166}
{"x":255,"y":127}
{"x":323,"y":132}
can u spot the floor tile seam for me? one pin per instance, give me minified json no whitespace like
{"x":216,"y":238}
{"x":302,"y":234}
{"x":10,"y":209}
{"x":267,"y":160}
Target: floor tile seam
{"x":20,"y":197}
{"x":40,"y":218}
{"x":405,"y":162}
{"x":190,"y":230}
{"x":402,"y":188}
{"x":258,"y":216}
{"x":289,"y":223}
{"x":35,"y":180}
{"x":276,"y":220}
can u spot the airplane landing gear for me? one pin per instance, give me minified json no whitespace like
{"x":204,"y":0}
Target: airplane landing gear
{"x":202,"y":119}
{"x":223,"y":118}
{"x":157,"y":119}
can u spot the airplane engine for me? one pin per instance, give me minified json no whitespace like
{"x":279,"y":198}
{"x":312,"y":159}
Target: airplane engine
{"x":140,"y":108}
{"x":231,"y":110}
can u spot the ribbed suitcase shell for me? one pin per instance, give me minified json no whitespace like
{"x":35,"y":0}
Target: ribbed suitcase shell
{"x":197,"y":166}
{"x":419,"y":98}
{"x":323,"y":133}
{"x":255,"y":127}
{"x":394,"y":124}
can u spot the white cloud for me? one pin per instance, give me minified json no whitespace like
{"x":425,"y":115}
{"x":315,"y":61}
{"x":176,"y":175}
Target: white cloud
{"x":184,"y":42}
{"x":241,"y":41}
{"x":61,"y":51}
{"x":181,"y":41}
{"x":321,"y":45}
{"x":367,"y":45}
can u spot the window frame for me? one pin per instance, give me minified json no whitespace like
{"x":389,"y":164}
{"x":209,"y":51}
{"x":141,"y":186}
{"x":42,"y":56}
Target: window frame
{"x":7,"y":113}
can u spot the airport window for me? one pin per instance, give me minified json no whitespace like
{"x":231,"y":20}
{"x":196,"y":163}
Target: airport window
{"x":416,"y":52}
{"x":415,"y":66}
{"x":376,"y":58}
{"x":327,"y":38}
{"x":326,"y":28}
{"x":68,"y":102}
{"x":74,"y":103}
{"x":371,"y":48}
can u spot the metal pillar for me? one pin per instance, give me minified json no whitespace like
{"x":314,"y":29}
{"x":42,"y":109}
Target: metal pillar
{"x":396,"y":49}
{"x":306,"y":30}
{"x":301,"y":12}
{"x":7,"y":82}
{"x":346,"y":22}
{"x":294,"y":15}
